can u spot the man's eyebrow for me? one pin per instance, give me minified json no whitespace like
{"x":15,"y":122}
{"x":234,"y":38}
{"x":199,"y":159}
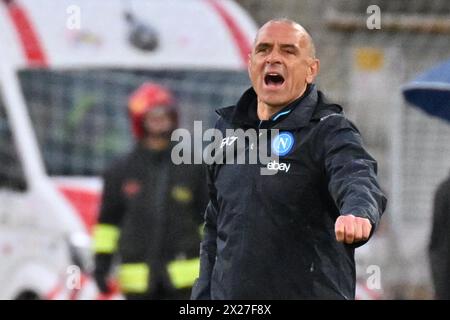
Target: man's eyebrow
{"x":263,"y":45}
{"x":284,"y":46}
{"x":289,"y":46}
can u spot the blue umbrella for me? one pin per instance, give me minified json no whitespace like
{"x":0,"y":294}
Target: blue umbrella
{"x":431,"y":91}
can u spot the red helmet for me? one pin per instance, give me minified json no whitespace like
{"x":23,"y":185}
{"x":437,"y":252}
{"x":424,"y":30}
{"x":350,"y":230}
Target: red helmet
{"x":147,"y":97}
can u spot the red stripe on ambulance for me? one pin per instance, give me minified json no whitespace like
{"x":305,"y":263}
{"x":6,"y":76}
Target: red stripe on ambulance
{"x":85,"y":202}
{"x":241,"y":41}
{"x":28,"y":37}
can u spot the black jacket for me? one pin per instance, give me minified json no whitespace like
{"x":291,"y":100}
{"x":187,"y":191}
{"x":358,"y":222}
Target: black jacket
{"x":439,"y":247}
{"x":156,"y":205}
{"x":272,"y":236}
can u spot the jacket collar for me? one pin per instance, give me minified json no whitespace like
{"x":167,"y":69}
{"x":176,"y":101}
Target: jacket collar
{"x":296,"y":114}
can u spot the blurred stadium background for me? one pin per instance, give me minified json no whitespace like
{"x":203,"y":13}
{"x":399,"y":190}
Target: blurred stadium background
{"x":361,"y":69}
{"x":364,"y":70}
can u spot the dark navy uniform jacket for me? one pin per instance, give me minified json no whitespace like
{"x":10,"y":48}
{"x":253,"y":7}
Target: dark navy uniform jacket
{"x":272,"y":236}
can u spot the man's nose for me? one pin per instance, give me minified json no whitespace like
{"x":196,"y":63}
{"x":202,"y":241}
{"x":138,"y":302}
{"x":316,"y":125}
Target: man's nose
{"x":273,"y":57}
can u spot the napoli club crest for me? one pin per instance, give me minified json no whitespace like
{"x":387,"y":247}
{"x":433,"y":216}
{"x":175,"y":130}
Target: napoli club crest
{"x":283,"y":143}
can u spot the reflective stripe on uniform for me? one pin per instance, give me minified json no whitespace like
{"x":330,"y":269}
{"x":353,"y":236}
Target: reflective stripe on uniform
{"x":201,"y":230}
{"x":134,"y":277}
{"x":183,"y":272}
{"x":105,"y":238}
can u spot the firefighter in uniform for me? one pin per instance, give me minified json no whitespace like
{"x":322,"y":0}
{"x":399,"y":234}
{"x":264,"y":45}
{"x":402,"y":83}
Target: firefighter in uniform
{"x":151,"y":209}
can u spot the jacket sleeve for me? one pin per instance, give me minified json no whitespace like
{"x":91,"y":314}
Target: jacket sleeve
{"x":202,"y":287}
{"x":107,"y":230}
{"x":351,"y":172}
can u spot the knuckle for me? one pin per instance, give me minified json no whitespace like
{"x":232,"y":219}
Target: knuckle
{"x":339,"y":226}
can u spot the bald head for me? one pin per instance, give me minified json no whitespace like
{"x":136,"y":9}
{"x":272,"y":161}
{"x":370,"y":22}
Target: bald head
{"x":306,"y":41}
{"x":281,"y":65}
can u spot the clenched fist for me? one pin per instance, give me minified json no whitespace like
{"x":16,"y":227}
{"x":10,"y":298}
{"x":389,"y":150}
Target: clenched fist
{"x":350,"y":229}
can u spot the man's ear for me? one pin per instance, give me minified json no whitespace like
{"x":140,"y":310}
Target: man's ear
{"x":313,"y":70}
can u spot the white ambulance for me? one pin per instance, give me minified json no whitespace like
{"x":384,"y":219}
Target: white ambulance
{"x":66,"y":70}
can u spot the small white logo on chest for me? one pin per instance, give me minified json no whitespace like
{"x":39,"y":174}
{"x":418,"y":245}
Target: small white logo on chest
{"x":274,"y":165}
{"x":228,"y":141}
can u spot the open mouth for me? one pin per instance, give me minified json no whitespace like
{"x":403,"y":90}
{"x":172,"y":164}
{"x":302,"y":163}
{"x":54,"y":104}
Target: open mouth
{"x":273,"y":79}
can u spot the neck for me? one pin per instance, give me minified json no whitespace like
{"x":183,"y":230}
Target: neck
{"x":266,"y":111}
{"x":154,"y":143}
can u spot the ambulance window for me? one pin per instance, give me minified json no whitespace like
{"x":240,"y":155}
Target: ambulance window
{"x":80,"y":116}
{"x":11,"y":174}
